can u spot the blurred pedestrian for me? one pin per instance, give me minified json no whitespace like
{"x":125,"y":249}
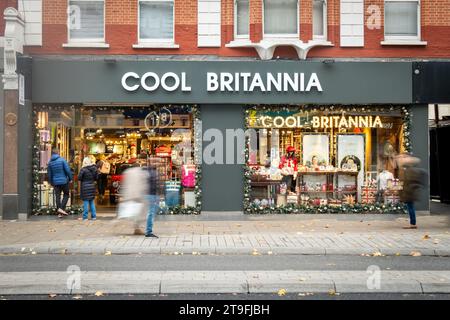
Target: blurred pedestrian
{"x":59,"y":176}
{"x":414,"y":180}
{"x":153,"y":198}
{"x":88,"y":176}
{"x":133,"y":197}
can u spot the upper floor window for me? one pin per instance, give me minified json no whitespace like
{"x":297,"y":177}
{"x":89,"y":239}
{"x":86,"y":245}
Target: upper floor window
{"x":402,"y":20}
{"x":86,"y":21}
{"x":242,"y":17}
{"x":281,"y":18}
{"x":156,"y":21}
{"x":320,"y":19}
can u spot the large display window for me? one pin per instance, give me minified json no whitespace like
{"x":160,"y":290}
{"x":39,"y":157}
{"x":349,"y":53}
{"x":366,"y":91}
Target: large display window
{"x":326,"y":159}
{"x":118,"y":137}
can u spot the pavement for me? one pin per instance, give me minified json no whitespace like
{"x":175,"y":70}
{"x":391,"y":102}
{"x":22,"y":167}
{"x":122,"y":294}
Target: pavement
{"x":171,"y":282}
{"x":254,"y":235}
{"x":228,"y":235}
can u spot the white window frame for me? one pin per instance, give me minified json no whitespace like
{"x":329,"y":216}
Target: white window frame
{"x":242,"y":36}
{"x":325,"y":22}
{"x":87,"y":41}
{"x":282,"y":35}
{"x":404,"y":39}
{"x":163,"y":42}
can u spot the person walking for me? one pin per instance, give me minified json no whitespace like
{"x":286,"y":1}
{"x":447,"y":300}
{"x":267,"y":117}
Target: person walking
{"x":59,"y":176}
{"x":153,"y":197}
{"x":88,"y":176}
{"x":133,"y":197}
{"x":413,"y":182}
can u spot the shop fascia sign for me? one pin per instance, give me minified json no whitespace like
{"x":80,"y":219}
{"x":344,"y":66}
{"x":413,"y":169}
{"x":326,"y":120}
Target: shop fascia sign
{"x":224,"y":82}
{"x":322,"y":122}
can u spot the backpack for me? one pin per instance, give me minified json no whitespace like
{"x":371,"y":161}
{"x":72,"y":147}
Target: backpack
{"x":105,"y":168}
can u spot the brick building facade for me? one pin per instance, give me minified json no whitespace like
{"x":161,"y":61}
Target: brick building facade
{"x":69,"y":63}
{"x":121,"y":26}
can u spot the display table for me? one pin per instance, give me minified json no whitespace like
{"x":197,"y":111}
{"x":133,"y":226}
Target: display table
{"x":269,"y":185}
{"x":331,"y":181}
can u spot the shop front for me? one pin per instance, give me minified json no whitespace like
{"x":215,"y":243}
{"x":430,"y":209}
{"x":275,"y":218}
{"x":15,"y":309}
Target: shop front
{"x":321,"y":137}
{"x":327,"y":159}
{"x":117,"y":138}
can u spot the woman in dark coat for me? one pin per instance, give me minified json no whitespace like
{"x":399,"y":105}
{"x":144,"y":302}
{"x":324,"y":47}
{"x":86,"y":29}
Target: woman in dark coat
{"x":88,"y":176}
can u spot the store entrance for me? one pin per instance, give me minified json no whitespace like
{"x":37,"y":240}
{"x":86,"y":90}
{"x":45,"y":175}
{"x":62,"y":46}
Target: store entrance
{"x":117,"y":138}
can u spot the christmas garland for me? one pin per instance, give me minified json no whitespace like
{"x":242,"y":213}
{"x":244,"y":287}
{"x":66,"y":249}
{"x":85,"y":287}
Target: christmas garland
{"x":252,"y":208}
{"x":74,"y":209}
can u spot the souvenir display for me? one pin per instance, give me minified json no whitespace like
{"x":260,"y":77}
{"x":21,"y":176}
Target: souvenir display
{"x":326,"y":158}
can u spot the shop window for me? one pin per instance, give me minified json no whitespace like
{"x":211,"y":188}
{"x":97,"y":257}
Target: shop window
{"x":156,"y":21}
{"x":241,"y":9}
{"x":121,"y":137}
{"x":319,"y":19}
{"x":86,"y":21}
{"x":281,"y":18}
{"x":324,"y":159}
{"x":401,"y":21}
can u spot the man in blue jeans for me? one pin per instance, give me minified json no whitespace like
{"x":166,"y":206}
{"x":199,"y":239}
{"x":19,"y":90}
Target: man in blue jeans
{"x":59,"y":176}
{"x":153,"y":199}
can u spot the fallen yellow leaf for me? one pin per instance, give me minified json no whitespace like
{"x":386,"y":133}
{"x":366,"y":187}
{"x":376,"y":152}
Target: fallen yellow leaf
{"x":282,"y":292}
{"x":51,"y":295}
{"x":377,"y":254}
{"x":269,"y":253}
{"x":397,"y":254}
{"x":415,"y":254}
{"x":99,"y":294}
{"x":426,"y":237}
{"x":78,"y":297}
{"x":108,"y":253}
{"x":332,"y":292}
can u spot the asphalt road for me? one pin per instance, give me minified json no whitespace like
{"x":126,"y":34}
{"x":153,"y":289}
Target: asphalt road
{"x":28,"y":263}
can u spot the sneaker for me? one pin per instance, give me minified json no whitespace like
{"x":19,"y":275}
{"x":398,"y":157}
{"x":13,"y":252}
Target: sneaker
{"x":93,"y":219}
{"x":151,"y":235}
{"x":85,"y":220}
{"x":61,"y":211}
{"x":60,"y":216}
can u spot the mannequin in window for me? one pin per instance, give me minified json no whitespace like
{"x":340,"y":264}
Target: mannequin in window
{"x":288,"y":166}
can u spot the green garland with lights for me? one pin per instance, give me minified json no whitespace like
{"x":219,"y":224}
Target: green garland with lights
{"x":252,"y":208}
{"x":74,"y":209}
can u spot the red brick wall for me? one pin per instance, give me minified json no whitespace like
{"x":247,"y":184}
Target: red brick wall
{"x":3,"y":5}
{"x":121,"y":31}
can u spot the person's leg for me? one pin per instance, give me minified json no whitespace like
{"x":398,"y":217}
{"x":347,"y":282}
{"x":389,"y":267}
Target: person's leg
{"x":293,"y":184}
{"x":85,"y":209}
{"x":93,"y":211}
{"x":104,"y":183}
{"x":152,"y":210}
{"x":65,"y":189}
{"x":139,"y":219}
{"x":412,"y":213}
{"x":57,"y":190}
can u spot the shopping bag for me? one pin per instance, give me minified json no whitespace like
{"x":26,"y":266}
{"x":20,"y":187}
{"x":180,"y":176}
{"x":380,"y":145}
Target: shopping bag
{"x":129,"y":209}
